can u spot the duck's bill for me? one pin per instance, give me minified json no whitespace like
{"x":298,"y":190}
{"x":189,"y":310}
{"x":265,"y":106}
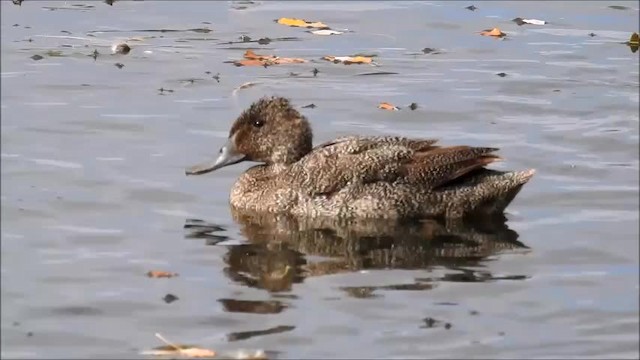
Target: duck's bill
{"x":228,"y":156}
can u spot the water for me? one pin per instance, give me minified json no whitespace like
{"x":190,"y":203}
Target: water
{"x":94,"y":193}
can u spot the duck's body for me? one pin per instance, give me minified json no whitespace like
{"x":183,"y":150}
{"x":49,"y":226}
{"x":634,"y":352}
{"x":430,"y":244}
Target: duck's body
{"x":370,"y":177}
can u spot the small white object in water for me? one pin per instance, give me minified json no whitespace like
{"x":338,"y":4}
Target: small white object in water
{"x":534,"y":21}
{"x":326,"y":32}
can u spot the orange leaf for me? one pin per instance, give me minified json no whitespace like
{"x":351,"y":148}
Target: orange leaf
{"x":492,"y":32}
{"x":249,"y":54}
{"x":388,"y":106}
{"x":250,"y":63}
{"x":161,"y":274}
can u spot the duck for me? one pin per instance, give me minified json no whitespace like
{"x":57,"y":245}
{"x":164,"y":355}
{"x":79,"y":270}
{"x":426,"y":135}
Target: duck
{"x":386,"y":177}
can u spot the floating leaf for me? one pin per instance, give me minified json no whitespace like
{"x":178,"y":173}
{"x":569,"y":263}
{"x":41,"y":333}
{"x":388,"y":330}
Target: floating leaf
{"x":633,"y":42}
{"x":348,"y":60}
{"x":159,"y":273}
{"x":253,"y":59}
{"x":301,"y":23}
{"x":178,"y":349}
{"x":493,"y":32}
{"x":326,"y":32}
{"x":388,"y":106}
{"x":37,"y":57}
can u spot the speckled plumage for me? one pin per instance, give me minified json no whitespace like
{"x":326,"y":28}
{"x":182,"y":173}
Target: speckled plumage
{"x":354,"y":176}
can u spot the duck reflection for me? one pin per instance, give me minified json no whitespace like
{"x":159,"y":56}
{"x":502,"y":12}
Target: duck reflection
{"x":283,"y":250}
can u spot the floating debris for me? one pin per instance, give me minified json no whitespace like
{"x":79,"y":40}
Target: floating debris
{"x":119,"y":65}
{"x":348,"y":60}
{"x":495,"y":32}
{"x":172,"y":349}
{"x":37,"y":57}
{"x":253,"y":59}
{"x":310,"y":106}
{"x":618,"y":7}
{"x":163,"y":90}
{"x":301,"y":23}
{"x":634,"y":42}
{"x":520,"y":21}
{"x":501,"y":74}
{"x":388,"y":106}
{"x":169,"y":298}
{"x":122,"y":48}
{"x":156,"y":274}
{"x":245,"y":86}
{"x":413,"y":106}
{"x":591,"y":34}
{"x":326,"y":32}
{"x":471,"y":7}
{"x":315,"y":72}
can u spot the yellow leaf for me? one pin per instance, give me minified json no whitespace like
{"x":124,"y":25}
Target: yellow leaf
{"x":635,"y":39}
{"x":348,"y":60}
{"x":387,"y":106}
{"x":493,"y":32}
{"x":301,"y":23}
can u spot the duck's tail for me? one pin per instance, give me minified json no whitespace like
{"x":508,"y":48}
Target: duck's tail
{"x":489,"y":192}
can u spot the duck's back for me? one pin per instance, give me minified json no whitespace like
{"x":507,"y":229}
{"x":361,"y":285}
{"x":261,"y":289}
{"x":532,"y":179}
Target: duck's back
{"x":400,"y":177}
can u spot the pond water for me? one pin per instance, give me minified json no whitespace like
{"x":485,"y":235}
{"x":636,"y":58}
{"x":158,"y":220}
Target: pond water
{"x":94,"y":193}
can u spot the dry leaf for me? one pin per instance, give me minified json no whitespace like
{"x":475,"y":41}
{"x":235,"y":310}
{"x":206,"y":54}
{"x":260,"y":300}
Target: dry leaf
{"x":493,"y":32}
{"x":253,"y":59}
{"x":348,"y":60}
{"x":388,"y":106}
{"x":161,"y":274}
{"x":300,"y":23}
{"x":326,"y":32}
{"x":182,"y":350}
{"x":634,"y":39}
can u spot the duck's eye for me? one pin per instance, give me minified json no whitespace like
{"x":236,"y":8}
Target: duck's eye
{"x":258,"y":123}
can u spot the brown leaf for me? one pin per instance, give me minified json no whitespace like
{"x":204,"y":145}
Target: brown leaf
{"x":161,"y":274}
{"x":253,"y":59}
{"x":493,"y":32}
{"x":388,"y":106}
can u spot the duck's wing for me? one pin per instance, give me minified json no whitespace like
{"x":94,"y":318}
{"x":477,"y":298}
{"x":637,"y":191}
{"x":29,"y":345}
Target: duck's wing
{"x":352,"y":160}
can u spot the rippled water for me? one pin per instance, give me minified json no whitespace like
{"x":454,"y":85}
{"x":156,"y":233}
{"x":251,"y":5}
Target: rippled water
{"x":94,"y":193}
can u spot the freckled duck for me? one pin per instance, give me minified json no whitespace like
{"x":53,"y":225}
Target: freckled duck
{"x":356,"y":176}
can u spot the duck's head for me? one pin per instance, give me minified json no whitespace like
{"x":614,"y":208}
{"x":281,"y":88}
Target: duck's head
{"x":270,"y":131}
